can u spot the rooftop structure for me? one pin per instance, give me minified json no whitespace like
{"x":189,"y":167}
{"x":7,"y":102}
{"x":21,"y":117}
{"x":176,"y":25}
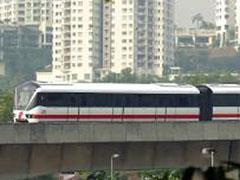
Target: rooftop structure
{"x":199,"y":38}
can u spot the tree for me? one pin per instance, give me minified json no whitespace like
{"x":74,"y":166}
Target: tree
{"x":127,"y":76}
{"x":201,"y":23}
{"x":198,"y":19}
{"x":162,"y":175}
{"x":207,"y":25}
{"x":44,"y":177}
{"x":231,"y":34}
{"x":6,"y":105}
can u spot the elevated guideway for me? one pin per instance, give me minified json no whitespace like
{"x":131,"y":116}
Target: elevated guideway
{"x":27,"y":150}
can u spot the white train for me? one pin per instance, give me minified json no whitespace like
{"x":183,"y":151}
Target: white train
{"x":39,"y":102}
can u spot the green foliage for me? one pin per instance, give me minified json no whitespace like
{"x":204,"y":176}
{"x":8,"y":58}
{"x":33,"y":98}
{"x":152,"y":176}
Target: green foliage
{"x":21,"y":65}
{"x":198,"y":61}
{"x":126,"y":76}
{"x":216,"y":42}
{"x":25,"y":61}
{"x":103,"y":175}
{"x":231,"y":33}
{"x":198,"y":18}
{"x":6,"y":105}
{"x":44,"y":177}
{"x":192,"y":60}
{"x":201,"y":23}
{"x":162,"y":175}
{"x":11,"y":82}
{"x":196,"y":79}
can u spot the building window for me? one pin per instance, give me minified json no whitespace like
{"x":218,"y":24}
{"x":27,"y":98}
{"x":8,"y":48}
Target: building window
{"x":86,"y":76}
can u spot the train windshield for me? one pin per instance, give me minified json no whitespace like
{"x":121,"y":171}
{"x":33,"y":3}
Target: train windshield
{"x":23,"y":95}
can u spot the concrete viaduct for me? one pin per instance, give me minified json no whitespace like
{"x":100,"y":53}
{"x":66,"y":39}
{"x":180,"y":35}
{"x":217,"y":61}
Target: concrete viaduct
{"x":27,"y":150}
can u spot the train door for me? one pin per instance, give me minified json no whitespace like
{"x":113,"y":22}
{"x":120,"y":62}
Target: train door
{"x":73,"y":109}
{"x":225,"y":107}
{"x":205,"y":103}
{"x":187,"y":107}
{"x":164,"y":106}
{"x":238,"y":104}
{"x":118,"y":107}
{"x":83,"y":106}
{"x":171,"y":107}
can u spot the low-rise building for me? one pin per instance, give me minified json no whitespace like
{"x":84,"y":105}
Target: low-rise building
{"x":191,"y":38}
{"x":45,"y":75}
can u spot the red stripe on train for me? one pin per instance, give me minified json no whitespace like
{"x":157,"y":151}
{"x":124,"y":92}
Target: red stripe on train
{"x":226,"y":115}
{"x":105,"y":116}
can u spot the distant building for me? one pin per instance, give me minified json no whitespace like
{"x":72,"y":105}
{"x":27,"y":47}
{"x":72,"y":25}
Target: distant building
{"x":225,"y":19}
{"x":18,"y":36}
{"x":45,"y":23}
{"x":175,"y":72}
{"x":92,"y":37}
{"x":194,"y":38}
{"x":45,"y":75}
{"x":139,"y":34}
{"x":76,"y":39}
{"x":29,"y":12}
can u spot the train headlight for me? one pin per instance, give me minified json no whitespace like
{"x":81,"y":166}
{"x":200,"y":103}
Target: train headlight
{"x":29,"y":116}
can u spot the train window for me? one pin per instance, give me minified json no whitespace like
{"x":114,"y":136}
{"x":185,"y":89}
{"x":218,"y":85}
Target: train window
{"x":226,"y":100}
{"x":131,"y":100}
{"x":53,"y":99}
{"x":183,"y":101}
{"x":177,"y":100}
{"x":99,"y":100}
{"x":73,"y":100}
{"x":165,"y":100}
{"x":82,"y":100}
{"x":148,"y":100}
{"x":116,"y":100}
{"x":95,"y":100}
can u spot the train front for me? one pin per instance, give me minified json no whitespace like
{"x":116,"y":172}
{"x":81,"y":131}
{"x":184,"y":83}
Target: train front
{"x":23,"y":95}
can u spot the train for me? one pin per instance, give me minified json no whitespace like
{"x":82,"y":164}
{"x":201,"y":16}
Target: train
{"x":37,"y":102}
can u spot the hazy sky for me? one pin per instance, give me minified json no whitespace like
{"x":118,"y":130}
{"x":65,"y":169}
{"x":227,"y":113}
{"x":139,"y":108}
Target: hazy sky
{"x":185,"y":9}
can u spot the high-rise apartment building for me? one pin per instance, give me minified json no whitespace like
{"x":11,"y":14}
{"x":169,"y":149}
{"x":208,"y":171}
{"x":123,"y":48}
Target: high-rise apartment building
{"x":138,"y":34}
{"x":92,"y":37}
{"x":29,"y":12}
{"x":46,"y":20}
{"x":11,"y":11}
{"x":238,"y":23}
{"x":77,"y":39}
{"x":225,"y":19}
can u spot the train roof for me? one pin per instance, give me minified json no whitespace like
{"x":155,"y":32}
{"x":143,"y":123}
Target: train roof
{"x":120,"y":88}
{"x":224,"y":88}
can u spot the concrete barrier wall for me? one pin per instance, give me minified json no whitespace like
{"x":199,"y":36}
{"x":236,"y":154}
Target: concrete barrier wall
{"x":27,"y":150}
{"x":89,"y":132}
